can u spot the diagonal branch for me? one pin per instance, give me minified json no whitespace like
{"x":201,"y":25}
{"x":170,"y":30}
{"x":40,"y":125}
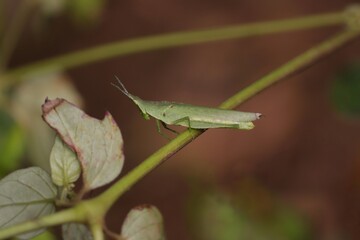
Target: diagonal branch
{"x":295,"y":65}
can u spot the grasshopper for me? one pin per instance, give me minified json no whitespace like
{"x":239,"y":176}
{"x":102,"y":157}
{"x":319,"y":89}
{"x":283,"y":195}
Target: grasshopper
{"x":193,"y":117}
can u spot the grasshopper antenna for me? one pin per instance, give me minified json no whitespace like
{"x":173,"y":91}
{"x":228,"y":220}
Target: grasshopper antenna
{"x":121,"y":86}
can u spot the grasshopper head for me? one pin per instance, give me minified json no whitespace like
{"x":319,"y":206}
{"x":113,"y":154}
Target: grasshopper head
{"x":141,"y":105}
{"x":138,"y":101}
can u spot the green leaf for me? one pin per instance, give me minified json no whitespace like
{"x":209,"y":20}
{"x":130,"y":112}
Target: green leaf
{"x":98,"y":144}
{"x":25,"y":195}
{"x":76,"y":231}
{"x":24,"y":107}
{"x":345,"y":93}
{"x":65,"y":167}
{"x":12,"y":145}
{"x":143,"y":223}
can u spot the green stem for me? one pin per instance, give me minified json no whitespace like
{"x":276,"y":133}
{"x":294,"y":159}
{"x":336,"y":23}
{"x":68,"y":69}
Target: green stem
{"x":142,"y":44}
{"x":295,"y":65}
{"x":97,"y":231}
{"x":69,"y":215}
{"x":111,"y":195}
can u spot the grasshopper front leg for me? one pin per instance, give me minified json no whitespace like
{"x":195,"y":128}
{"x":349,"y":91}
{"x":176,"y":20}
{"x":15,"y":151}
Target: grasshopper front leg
{"x":159,"y":130}
{"x":166,"y":127}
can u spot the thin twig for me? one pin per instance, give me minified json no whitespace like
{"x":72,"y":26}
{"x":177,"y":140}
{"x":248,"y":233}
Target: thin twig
{"x":127,"y":47}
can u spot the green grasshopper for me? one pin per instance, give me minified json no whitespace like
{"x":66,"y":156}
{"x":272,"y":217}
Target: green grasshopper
{"x":193,"y":117}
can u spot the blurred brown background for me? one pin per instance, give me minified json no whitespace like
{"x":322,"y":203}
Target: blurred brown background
{"x":303,"y":152}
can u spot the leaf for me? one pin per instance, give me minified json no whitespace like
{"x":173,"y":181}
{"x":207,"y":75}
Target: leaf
{"x":65,"y":167}
{"x":25,"y":195}
{"x":12,"y":145}
{"x":143,"y":223}
{"x":98,"y":144}
{"x":25,"y":102}
{"x":76,"y":231}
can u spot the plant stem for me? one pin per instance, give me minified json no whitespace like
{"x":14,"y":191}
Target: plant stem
{"x":97,"y":231}
{"x":65,"y":216}
{"x":111,"y":195}
{"x":295,"y":65}
{"x":176,"y":39}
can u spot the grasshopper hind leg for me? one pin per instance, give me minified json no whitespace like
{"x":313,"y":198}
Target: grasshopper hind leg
{"x":184,"y":119}
{"x":188,"y":121}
